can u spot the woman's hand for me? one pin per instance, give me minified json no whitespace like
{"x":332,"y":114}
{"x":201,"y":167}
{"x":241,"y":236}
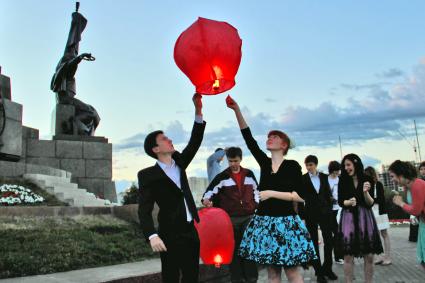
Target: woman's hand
{"x":366,"y":187}
{"x":231,"y":103}
{"x":398,"y":200}
{"x":350,"y":202}
{"x":265,"y":195}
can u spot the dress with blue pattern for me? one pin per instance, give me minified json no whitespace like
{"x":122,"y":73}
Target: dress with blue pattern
{"x":276,"y":235}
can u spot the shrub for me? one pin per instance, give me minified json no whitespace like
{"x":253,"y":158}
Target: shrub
{"x":131,"y":195}
{"x":32,"y":246}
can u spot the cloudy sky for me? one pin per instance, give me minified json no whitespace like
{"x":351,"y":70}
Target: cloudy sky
{"x":318,"y":70}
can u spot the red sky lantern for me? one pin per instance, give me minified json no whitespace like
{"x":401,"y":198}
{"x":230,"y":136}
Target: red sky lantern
{"x":216,"y":235}
{"x":209,"y":54}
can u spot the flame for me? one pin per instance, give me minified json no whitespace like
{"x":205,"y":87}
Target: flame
{"x":218,"y":260}
{"x":216,"y":84}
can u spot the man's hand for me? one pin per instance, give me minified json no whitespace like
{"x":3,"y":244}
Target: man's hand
{"x":231,"y":103}
{"x":207,"y":203}
{"x":398,"y":200}
{"x":197,"y":101}
{"x":265,"y":195}
{"x":157,"y":244}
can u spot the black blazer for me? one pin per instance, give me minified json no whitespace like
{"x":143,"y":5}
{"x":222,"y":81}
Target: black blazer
{"x":316,"y":204}
{"x":156,"y":187}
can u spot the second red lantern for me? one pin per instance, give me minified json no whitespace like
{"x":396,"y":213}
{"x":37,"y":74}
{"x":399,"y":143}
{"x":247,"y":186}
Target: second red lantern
{"x":215,"y":232}
{"x":209,"y":54}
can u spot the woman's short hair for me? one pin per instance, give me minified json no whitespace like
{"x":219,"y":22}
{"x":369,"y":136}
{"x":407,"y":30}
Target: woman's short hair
{"x":283,"y":136}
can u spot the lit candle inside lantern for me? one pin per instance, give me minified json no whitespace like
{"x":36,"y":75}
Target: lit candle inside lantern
{"x":216,"y":85}
{"x":218,"y":260}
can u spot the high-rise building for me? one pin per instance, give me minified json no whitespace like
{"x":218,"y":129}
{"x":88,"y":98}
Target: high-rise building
{"x":198,"y":185}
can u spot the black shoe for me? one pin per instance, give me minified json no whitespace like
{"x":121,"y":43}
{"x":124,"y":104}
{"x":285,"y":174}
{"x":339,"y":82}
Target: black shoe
{"x":331,"y":275}
{"x":321,"y":279}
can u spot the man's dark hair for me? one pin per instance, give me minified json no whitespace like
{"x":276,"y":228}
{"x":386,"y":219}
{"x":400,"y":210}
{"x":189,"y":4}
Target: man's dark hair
{"x":233,"y":152}
{"x":334,"y":166}
{"x":403,"y":168}
{"x":218,"y":149}
{"x":421,"y":165}
{"x":311,"y":159}
{"x":150,"y":143}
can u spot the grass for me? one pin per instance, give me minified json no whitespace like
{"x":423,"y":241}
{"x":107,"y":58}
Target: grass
{"x":49,"y":199}
{"x":32,"y":246}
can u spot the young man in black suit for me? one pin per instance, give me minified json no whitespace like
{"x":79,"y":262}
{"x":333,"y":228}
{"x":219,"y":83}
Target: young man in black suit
{"x":166,"y":184}
{"x":317,"y":211}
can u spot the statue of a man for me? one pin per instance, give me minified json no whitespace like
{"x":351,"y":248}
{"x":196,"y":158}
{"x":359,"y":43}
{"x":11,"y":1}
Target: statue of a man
{"x":63,"y":84}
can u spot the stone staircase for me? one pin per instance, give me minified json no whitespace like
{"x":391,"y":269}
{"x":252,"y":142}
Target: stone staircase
{"x":66,"y":191}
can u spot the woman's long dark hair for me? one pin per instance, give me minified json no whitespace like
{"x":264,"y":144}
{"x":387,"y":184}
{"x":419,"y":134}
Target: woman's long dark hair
{"x":358,"y":167}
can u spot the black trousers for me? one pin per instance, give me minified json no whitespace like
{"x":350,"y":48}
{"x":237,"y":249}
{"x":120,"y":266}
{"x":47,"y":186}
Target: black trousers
{"x":241,"y":270}
{"x":413,"y":233}
{"x":325,"y":222}
{"x":181,"y":260}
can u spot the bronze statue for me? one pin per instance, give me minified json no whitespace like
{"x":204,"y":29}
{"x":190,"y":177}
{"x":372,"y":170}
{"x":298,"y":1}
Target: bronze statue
{"x":63,"y":84}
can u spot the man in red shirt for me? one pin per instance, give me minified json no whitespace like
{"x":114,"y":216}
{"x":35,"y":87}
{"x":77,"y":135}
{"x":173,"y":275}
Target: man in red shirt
{"x":235,"y":191}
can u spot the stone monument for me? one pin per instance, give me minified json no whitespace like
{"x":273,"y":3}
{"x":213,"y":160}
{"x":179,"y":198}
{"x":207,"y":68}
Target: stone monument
{"x":73,"y":117}
{"x":10,"y":123}
{"x":74,"y":148}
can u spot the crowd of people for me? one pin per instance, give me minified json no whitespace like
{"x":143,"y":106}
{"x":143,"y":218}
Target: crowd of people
{"x":276,"y":220}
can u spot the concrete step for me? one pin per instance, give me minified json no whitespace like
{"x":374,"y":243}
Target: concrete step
{"x":46,"y":170}
{"x":64,"y":190}
{"x":47,"y":177}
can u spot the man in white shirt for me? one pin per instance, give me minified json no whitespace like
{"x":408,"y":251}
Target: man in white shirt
{"x":166,"y":184}
{"x":317,"y":212}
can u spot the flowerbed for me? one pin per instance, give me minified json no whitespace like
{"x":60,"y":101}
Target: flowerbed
{"x":18,"y":195}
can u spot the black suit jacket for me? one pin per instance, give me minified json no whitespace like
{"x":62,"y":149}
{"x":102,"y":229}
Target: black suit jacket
{"x":156,"y":187}
{"x":316,"y":204}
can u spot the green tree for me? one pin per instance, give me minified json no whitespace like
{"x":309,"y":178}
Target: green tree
{"x":131,"y":195}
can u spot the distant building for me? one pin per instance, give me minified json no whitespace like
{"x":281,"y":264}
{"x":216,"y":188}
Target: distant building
{"x":198,"y":185}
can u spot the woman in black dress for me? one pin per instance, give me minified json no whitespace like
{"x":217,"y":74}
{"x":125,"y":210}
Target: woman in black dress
{"x":276,"y":236}
{"x":358,"y":234}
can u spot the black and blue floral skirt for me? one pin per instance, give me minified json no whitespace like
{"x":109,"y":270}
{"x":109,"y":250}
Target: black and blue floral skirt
{"x":282,"y":241}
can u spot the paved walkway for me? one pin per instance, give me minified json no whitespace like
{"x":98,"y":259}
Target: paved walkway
{"x":403,"y":270}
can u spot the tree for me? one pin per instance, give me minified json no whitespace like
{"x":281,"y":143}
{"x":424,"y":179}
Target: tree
{"x":131,"y":195}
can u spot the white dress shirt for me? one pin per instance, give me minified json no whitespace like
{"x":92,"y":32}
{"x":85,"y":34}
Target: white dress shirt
{"x":173,"y":172}
{"x":315,"y":180}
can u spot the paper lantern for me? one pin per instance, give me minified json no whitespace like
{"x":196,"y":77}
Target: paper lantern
{"x":209,"y":54}
{"x":216,"y":236}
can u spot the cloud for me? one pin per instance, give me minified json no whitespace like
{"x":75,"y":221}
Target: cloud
{"x":370,"y":161}
{"x":390,"y":73}
{"x":270,"y":100}
{"x":385,"y":110}
{"x":174,"y":130}
{"x":360,"y":87}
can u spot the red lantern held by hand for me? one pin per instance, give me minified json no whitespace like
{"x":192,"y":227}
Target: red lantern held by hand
{"x":216,"y":236}
{"x":209,"y":54}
